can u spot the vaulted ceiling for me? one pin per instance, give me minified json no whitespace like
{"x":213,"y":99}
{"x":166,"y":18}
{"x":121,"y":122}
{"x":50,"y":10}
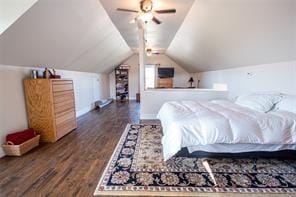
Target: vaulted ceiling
{"x":65,"y":34}
{"x":11,"y":10}
{"x":90,"y":36}
{"x":157,"y":36}
{"x":219,"y":34}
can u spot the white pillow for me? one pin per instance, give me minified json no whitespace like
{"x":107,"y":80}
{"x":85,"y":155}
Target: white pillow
{"x":259,"y":102}
{"x":288,"y":103}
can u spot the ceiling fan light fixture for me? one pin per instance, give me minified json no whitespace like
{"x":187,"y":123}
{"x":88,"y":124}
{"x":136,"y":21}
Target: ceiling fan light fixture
{"x":148,"y":52}
{"x":145,"y":17}
{"x":146,"y":11}
{"x":146,"y":5}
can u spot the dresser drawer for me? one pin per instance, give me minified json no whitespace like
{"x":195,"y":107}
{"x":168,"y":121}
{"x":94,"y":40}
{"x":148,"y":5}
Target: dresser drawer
{"x":66,"y":127}
{"x":60,"y":97}
{"x":64,"y":106}
{"x":65,"y":116}
{"x":62,"y":87}
{"x":61,"y":82}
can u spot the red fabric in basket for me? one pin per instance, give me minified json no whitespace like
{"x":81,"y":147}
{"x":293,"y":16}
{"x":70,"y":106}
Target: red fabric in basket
{"x":20,"y":137}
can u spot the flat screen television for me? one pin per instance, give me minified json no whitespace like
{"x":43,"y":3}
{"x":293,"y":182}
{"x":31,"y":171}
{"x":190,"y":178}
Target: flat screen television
{"x":166,"y":72}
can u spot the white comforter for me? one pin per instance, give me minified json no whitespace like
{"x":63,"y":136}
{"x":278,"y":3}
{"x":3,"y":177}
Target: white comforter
{"x":190,"y":123}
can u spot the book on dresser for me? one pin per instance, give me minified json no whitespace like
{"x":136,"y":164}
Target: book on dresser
{"x":50,"y":107}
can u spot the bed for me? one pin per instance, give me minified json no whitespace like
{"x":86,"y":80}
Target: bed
{"x":224,"y":127}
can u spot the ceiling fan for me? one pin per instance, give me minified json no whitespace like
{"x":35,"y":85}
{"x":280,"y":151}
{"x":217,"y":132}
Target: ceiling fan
{"x":150,"y":52}
{"x":147,"y":13}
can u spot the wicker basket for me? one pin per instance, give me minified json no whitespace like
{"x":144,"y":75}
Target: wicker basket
{"x":18,"y":150}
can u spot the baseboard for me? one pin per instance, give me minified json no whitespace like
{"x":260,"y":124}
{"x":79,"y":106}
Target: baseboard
{"x":130,"y":98}
{"x":85,"y":110}
{"x":148,"y":116}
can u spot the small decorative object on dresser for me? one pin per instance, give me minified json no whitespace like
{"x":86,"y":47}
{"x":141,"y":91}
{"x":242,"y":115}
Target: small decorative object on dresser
{"x":50,"y":107}
{"x":34,"y":74}
{"x":47,"y":74}
{"x":54,"y":75}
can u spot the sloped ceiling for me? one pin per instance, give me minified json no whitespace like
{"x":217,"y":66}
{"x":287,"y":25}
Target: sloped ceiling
{"x":158,"y":37}
{"x":215,"y":34}
{"x":68,"y":34}
{"x":219,"y":34}
{"x":11,"y":10}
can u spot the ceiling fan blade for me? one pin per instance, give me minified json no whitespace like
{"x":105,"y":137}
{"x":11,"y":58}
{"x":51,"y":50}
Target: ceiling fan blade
{"x":156,"y":53}
{"x":158,"y":22}
{"x":168,"y":11}
{"x":126,"y":10}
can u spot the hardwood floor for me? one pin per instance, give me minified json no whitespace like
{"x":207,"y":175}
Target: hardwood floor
{"x":73,"y":165}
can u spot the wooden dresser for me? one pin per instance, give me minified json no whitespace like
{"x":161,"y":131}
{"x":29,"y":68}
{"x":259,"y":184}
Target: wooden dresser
{"x":50,"y":107}
{"x":165,"y":82}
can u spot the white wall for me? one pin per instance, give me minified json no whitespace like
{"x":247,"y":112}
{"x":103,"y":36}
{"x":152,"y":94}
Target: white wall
{"x":181,"y":76}
{"x":180,"y":79}
{"x":133,"y":80}
{"x":89,"y":87}
{"x":152,"y":100}
{"x":270,"y":77}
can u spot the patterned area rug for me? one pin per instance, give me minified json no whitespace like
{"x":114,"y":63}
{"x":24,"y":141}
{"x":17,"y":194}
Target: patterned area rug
{"x":137,"y":168}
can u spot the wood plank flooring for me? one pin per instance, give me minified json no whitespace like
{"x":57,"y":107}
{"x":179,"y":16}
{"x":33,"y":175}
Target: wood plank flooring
{"x":73,"y":165}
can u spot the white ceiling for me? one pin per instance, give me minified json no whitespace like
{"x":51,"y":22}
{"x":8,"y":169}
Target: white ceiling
{"x":68,"y":34}
{"x":158,"y":36}
{"x":215,"y":34}
{"x":219,"y":34}
{"x":11,"y":10}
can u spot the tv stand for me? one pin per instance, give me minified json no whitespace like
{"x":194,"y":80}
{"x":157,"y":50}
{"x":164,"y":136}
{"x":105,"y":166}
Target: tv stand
{"x":165,"y":83}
